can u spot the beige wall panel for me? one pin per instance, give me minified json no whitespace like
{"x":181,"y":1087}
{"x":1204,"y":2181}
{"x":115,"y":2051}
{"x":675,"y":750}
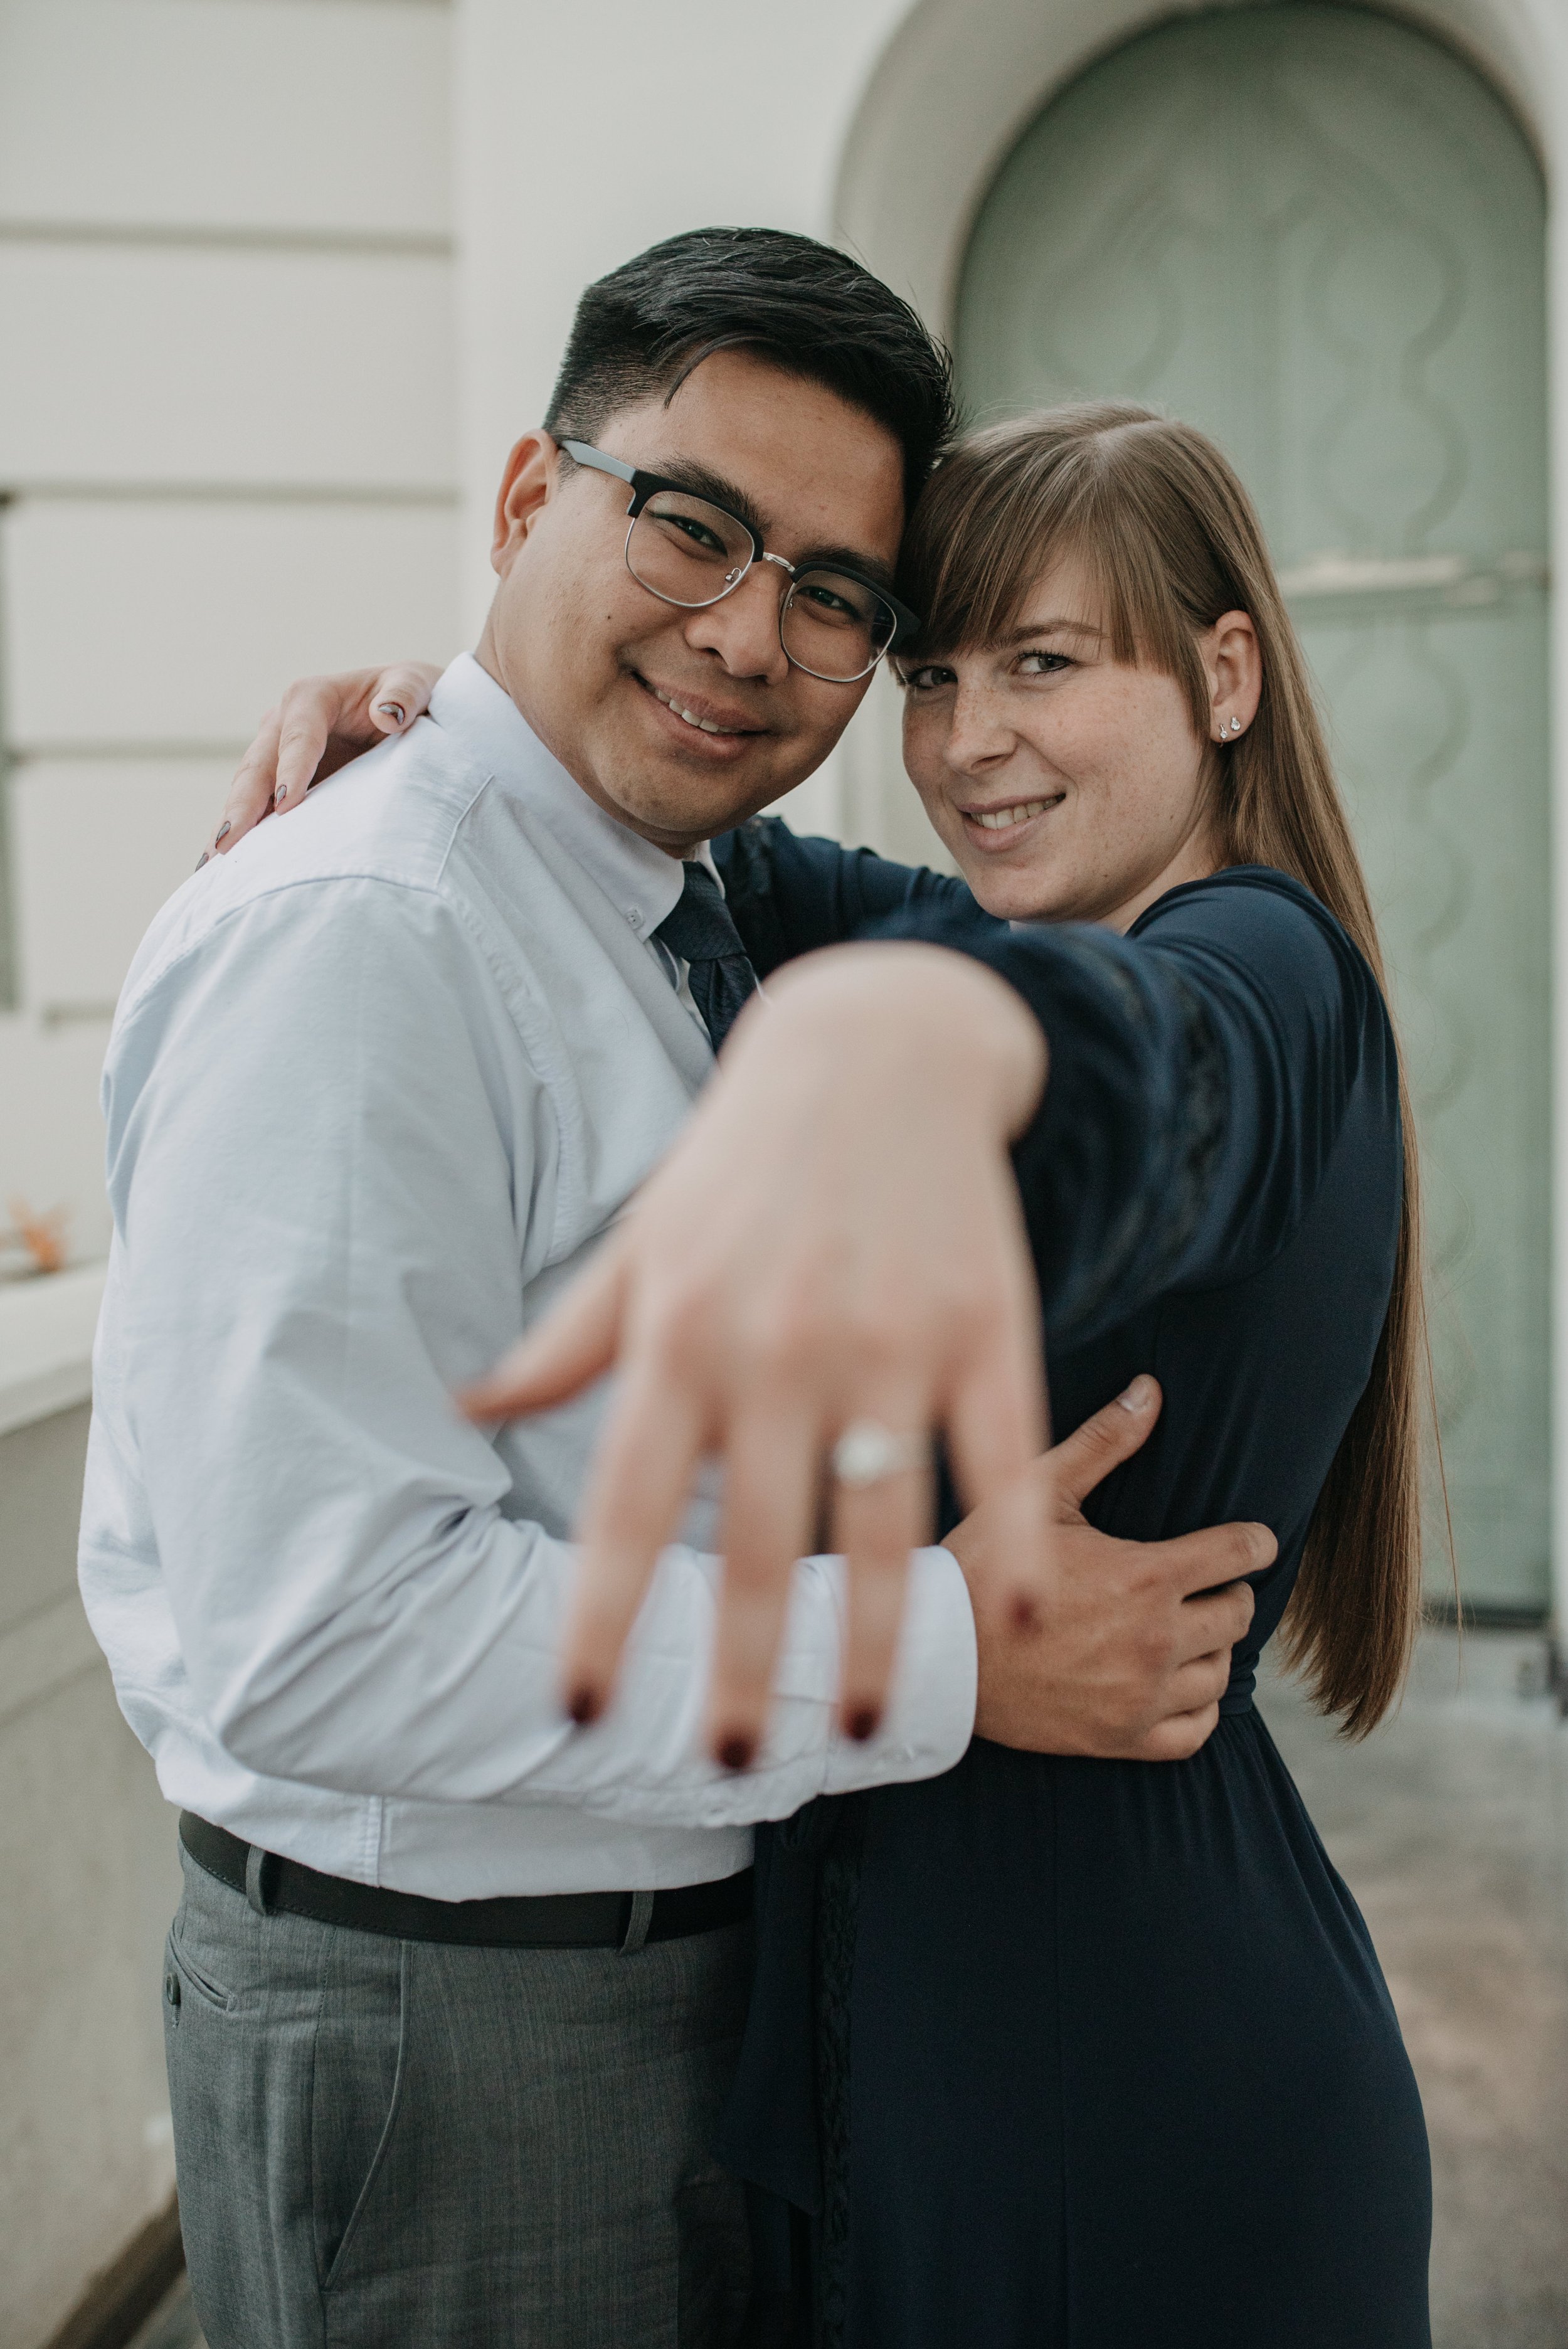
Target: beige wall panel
{"x":240,"y":114}
{"x":140,"y":622}
{"x":95,"y":852}
{"x":124,"y":364}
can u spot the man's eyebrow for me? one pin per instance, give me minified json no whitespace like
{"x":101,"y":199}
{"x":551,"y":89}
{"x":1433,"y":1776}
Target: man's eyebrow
{"x":847,"y":558}
{"x":688,"y":474}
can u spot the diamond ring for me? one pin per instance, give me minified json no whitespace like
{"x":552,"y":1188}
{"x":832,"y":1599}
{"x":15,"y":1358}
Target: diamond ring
{"x":868,"y":1453}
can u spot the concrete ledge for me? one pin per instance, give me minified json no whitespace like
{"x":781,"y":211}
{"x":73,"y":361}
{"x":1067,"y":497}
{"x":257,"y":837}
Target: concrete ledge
{"x":44,"y":1651}
{"x":46,"y":1329}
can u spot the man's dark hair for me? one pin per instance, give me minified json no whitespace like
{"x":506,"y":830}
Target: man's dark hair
{"x":812,"y":311}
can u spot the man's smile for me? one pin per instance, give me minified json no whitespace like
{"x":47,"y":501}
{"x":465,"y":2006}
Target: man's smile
{"x":695,"y":714}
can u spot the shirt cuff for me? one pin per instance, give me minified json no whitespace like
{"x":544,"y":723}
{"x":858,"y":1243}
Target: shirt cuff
{"x":929,"y":1718}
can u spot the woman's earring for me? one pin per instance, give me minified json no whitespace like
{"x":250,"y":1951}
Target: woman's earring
{"x":1229,"y":726}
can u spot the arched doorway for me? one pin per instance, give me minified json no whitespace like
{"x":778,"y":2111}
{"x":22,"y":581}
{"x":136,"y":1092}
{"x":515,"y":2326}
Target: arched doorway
{"x":1317,"y":233}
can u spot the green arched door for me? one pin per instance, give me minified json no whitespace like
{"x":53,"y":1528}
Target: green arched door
{"x":1317,"y":235}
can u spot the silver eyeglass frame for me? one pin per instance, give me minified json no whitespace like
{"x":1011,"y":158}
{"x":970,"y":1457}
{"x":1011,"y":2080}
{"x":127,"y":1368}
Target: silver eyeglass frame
{"x":644,"y":486}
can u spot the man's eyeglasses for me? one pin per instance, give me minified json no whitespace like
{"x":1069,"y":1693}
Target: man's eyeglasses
{"x":687,"y":551}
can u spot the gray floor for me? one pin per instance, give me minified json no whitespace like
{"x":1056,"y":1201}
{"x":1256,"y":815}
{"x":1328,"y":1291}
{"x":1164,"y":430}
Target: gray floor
{"x":1451,"y":1827}
{"x":172,"y":2326}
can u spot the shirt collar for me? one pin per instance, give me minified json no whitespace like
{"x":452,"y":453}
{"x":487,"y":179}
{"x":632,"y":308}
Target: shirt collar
{"x":640,"y":880}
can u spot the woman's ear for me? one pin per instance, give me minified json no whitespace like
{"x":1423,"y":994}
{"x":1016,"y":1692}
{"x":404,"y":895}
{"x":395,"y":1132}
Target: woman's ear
{"x":526,"y":485}
{"x":1235,"y":672}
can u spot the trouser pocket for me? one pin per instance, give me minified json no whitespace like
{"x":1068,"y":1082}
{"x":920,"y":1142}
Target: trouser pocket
{"x":356,"y":2087}
{"x":184,"y":1978}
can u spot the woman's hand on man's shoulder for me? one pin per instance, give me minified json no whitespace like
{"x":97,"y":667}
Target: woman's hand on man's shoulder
{"x":319,"y":724}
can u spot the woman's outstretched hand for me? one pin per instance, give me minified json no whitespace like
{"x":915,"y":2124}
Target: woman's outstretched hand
{"x":321,"y":723}
{"x":836,"y":1240}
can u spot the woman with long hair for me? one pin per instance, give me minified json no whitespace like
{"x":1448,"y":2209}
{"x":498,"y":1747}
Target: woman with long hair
{"x":1056,"y":2051}
{"x":1103,"y":2056}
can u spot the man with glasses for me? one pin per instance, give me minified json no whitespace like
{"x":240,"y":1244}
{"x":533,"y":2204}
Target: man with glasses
{"x":456,"y":1988}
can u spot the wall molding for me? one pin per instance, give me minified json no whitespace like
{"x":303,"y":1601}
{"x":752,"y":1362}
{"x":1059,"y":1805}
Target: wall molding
{"x":231,"y":493}
{"x":345,"y":244}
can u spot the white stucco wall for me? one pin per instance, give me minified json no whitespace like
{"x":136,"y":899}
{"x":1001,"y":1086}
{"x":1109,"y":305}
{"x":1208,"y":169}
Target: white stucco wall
{"x":227,"y":446}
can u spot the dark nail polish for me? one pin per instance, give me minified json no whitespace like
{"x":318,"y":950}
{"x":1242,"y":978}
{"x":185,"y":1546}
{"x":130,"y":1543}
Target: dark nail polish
{"x":224,"y":832}
{"x":862,"y":1723}
{"x":736,"y":1752}
{"x":584,"y":1706}
{"x":201,"y":860}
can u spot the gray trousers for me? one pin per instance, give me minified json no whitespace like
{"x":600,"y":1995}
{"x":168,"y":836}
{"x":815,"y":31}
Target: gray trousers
{"x":418,"y":2146}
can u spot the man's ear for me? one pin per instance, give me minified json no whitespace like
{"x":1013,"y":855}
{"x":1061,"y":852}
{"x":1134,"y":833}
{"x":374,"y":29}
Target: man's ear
{"x":526,"y":487}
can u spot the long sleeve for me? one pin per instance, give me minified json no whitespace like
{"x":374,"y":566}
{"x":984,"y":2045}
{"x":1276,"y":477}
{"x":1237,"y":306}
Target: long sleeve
{"x":333,"y":1170}
{"x":790,"y":895}
{"x":1200,"y":1073}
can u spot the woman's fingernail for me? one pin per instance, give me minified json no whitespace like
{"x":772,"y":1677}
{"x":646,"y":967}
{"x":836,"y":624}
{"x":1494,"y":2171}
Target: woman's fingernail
{"x":735,"y":1751}
{"x":223,"y":834}
{"x":1139,"y":1395}
{"x":393,"y":709}
{"x":201,"y":860}
{"x":280,"y":795}
{"x":862,"y":1723}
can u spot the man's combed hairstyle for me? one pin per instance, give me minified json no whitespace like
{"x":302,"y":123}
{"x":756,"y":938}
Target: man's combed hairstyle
{"x":812,"y":311}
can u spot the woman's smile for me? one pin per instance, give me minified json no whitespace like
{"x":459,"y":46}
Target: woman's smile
{"x":1008,"y":824}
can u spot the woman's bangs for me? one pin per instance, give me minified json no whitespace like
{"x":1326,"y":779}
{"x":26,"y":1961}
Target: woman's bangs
{"x":980,"y":544}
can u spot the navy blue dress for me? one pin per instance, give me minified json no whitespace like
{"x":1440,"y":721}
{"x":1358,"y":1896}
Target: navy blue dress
{"x":1058,"y":2054}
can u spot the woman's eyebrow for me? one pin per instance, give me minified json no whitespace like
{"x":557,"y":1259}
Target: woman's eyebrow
{"x":1055,"y":628}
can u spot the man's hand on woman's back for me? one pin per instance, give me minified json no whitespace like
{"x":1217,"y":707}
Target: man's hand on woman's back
{"x":1131,"y":1651}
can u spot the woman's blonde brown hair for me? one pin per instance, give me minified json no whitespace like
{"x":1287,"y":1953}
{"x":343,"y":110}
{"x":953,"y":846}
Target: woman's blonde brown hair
{"x":1169,"y":540}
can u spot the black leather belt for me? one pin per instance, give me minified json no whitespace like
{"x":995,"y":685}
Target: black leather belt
{"x":550,"y":1920}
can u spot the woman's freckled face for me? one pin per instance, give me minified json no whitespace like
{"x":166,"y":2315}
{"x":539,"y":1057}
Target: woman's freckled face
{"x":1068,"y":786}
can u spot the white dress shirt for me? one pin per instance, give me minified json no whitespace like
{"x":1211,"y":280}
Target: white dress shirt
{"x":378,"y":1081}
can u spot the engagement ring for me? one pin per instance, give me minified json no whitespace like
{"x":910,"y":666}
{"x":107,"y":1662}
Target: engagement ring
{"x":867,"y":1453}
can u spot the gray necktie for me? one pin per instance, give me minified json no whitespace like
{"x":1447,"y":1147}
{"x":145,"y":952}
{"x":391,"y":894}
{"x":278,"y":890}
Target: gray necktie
{"x":702,"y":932}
